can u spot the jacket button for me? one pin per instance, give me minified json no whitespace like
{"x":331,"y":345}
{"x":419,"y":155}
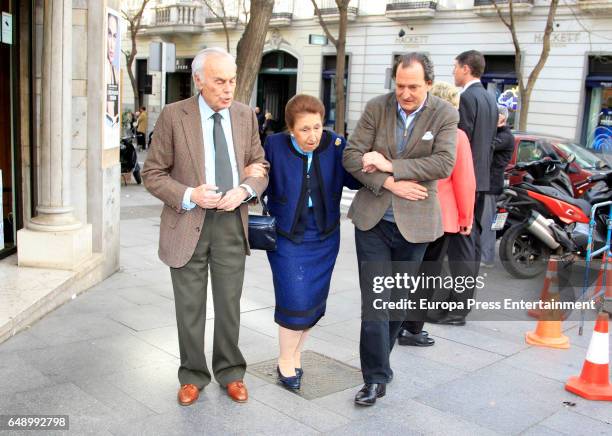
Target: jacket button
{"x":197,"y":229}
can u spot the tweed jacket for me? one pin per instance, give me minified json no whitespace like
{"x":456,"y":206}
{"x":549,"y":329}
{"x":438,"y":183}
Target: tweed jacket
{"x":429,"y":155}
{"x":176,"y":162}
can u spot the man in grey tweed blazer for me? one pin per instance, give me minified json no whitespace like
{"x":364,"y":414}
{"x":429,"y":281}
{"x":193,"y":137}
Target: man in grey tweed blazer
{"x":196,"y":163}
{"x":403,"y":143}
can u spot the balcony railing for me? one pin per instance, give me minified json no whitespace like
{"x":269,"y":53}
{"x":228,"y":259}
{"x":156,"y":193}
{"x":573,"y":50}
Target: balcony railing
{"x":282,"y":14}
{"x":329,"y":10}
{"x":402,"y":9}
{"x":595,"y":5}
{"x":487,"y":8}
{"x":174,"y":18}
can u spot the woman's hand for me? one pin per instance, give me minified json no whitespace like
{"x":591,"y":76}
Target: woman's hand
{"x":373,"y":161}
{"x":255,"y":170}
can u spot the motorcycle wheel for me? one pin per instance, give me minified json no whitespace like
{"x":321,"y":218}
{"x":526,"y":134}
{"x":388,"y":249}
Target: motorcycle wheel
{"x":522,"y":254}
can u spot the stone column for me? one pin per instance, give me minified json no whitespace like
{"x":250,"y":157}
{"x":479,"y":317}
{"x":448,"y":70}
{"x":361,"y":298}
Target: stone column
{"x":54,"y":238}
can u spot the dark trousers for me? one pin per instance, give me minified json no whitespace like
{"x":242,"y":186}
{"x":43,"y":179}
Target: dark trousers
{"x":460,"y":251}
{"x":381,"y":245}
{"x":222,"y":248}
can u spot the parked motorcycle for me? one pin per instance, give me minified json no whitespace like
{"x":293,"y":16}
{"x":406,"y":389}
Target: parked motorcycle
{"x":129,"y":158}
{"x":545,"y":218}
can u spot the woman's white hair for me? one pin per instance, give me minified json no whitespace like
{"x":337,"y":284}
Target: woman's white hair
{"x":197,"y":65}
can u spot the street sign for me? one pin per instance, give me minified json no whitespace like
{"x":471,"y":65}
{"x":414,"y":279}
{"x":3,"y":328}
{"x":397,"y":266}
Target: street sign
{"x":7,"y":28}
{"x":317,"y":40}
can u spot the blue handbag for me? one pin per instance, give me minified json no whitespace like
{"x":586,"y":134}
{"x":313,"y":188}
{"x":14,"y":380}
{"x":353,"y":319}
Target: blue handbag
{"x":262,"y":231}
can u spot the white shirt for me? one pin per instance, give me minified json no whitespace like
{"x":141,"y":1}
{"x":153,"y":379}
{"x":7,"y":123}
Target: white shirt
{"x":467,"y":85}
{"x":208,"y":124}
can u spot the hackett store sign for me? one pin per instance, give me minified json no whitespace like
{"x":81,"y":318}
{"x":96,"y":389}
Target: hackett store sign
{"x":411,"y":40}
{"x":559,"y":39}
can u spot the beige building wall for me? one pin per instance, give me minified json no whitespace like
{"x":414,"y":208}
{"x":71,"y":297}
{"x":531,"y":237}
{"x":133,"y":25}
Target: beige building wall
{"x":558,"y":100}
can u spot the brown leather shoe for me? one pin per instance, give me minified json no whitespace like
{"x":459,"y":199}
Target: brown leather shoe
{"x":188,"y":394}
{"x":237,"y":391}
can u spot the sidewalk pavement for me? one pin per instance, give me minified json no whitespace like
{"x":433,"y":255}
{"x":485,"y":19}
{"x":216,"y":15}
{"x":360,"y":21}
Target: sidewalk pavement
{"x":109,"y":359}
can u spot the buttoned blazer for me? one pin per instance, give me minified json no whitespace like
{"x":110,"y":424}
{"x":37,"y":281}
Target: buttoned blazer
{"x":429,"y":155}
{"x":176,"y":161}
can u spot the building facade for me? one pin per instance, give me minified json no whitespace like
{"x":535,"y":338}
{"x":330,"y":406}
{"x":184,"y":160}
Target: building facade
{"x":60,"y":178}
{"x":572,"y":97}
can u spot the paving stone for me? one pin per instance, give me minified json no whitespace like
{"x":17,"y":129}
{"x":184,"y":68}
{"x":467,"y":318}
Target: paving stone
{"x":570,"y":423}
{"x":55,"y":330}
{"x":455,"y":354}
{"x":17,"y":375}
{"x":145,"y":318}
{"x":498,"y":397}
{"x":550,"y":362}
{"x":298,"y":408}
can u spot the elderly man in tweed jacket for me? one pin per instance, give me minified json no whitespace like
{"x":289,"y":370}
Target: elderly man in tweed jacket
{"x":196,"y":164}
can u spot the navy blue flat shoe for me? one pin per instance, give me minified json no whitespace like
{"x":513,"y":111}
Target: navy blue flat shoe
{"x":299,"y":372}
{"x":292,"y":383}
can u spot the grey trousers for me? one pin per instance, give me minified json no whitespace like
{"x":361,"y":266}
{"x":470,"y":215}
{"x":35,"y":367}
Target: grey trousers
{"x":222,"y":248}
{"x":488,"y":236}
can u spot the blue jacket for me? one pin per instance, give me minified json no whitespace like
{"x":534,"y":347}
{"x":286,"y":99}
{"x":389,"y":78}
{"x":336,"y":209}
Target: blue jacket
{"x":286,"y":196}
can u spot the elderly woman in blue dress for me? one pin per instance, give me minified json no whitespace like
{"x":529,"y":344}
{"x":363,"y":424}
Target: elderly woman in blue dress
{"x":306,"y":181}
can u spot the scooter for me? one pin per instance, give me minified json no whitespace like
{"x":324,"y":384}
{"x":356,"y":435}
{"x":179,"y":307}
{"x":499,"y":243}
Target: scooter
{"x":544,"y":218}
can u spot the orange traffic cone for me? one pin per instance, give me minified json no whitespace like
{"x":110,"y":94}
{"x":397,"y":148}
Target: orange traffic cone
{"x":604,"y":269}
{"x":550,"y":278}
{"x":594,"y":381}
{"x":548,"y":330}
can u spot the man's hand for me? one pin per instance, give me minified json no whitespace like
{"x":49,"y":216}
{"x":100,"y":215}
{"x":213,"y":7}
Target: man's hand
{"x":373,"y":161}
{"x":255,"y":170}
{"x":232,"y":199}
{"x":406,"y":189}
{"x":206,"y":196}
{"x":465,"y":230}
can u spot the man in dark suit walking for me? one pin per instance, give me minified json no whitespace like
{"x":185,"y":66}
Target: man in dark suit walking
{"x":403,"y":143}
{"x":196,"y":166}
{"x":478,"y":119}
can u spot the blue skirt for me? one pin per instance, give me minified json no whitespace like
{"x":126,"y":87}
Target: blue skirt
{"x":302,"y":273}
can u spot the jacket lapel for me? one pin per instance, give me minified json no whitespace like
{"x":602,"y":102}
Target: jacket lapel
{"x":420,"y":127}
{"x":390,"y":117}
{"x":192,"y":127}
{"x":239,"y":137}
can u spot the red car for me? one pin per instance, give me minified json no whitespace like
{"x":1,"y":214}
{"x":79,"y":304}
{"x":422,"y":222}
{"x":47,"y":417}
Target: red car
{"x":529,"y":147}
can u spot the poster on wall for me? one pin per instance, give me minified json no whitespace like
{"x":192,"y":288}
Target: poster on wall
{"x":112,"y":76}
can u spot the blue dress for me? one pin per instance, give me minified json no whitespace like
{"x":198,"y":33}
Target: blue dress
{"x":308,"y":232}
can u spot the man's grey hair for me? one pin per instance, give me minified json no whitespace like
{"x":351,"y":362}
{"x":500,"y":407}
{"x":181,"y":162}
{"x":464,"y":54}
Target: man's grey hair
{"x":503,"y":111}
{"x":197,"y":65}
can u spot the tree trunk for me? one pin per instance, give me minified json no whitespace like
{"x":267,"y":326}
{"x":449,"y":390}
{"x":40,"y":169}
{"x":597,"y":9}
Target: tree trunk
{"x":250,"y":48}
{"x":341,"y":68}
{"x":525,"y":96}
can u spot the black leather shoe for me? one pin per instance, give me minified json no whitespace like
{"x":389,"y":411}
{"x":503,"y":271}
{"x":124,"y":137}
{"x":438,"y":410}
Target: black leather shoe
{"x":452,"y":320}
{"x":415,"y":339}
{"x":369,"y":393}
{"x":292,"y":383}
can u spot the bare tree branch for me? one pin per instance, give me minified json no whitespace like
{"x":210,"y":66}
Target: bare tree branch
{"x":525,"y":89}
{"x":324,"y":24}
{"x":222,"y":17}
{"x":134,"y":20}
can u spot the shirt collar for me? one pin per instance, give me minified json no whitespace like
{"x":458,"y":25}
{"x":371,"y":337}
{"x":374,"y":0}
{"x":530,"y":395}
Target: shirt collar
{"x":470,"y":83}
{"x":207,"y":112}
{"x":402,"y":112}
{"x":297,"y":147}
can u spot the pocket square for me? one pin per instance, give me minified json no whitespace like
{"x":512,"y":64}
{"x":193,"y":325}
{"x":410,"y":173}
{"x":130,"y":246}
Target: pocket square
{"x":427,"y":136}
